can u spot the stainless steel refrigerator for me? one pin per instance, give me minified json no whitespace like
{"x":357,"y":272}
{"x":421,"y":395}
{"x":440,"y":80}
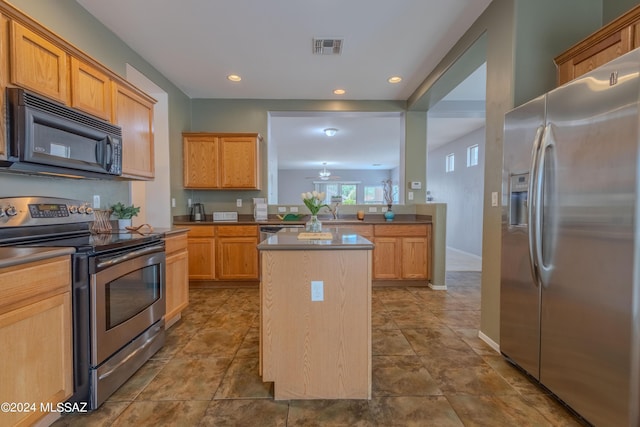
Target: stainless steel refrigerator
{"x":570,"y":282}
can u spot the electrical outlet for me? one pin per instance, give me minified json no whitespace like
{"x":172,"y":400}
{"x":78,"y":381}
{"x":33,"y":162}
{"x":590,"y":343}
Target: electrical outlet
{"x":96,"y":201}
{"x":410,"y":195}
{"x":383,"y":209}
{"x":317,"y":290}
{"x":173,"y":202}
{"x":282,"y":209}
{"x":188,"y":203}
{"x":494,"y":198}
{"x":373,"y":209}
{"x":293,"y":209}
{"x":238,"y":203}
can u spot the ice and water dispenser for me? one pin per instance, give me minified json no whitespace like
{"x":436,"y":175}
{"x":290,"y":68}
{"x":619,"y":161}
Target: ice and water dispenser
{"x":518,"y":196}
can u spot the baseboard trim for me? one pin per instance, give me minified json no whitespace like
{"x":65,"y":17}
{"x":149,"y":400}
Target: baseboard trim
{"x":437,"y":287}
{"x":491,"y":343}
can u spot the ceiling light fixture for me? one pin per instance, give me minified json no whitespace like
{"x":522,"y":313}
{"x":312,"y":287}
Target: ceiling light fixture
{"x":330,"y":131}
{"x":234,"y":77}
{"x":394,"y":79}
{"x":339,"y":91}
{"x":324,"y":174}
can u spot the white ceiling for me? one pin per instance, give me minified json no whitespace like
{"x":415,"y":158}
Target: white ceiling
{"x":197,"y":43}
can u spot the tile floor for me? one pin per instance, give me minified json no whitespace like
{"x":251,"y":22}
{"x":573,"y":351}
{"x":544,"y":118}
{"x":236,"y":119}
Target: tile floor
{"x":429,"y":369}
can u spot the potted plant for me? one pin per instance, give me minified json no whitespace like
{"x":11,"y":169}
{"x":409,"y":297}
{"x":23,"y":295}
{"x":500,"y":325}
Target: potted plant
{"x":124,"y":214}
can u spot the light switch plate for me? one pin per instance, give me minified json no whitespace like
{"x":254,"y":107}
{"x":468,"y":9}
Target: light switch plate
{"x":282,"y":209}
{"x":317,"y":290}
{"x":238,"y":203}
{"x":494,"y":198}
{"x":96,"y":201}
{"x":373,"y":209}
{"x":293,"y":209}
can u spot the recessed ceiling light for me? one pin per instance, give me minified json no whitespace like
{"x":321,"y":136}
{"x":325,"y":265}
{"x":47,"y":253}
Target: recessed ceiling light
{"x":330,"y":131}
{"x":234,"y":77}
{"x":339,"y":91}
{"x":394,"y":79}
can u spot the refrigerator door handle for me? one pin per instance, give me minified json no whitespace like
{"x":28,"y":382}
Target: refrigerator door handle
{"x":532,"y":210}
{"x":545,"y":155}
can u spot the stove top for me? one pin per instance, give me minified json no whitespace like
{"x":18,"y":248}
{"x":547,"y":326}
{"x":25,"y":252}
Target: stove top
{"x":57,"y":222}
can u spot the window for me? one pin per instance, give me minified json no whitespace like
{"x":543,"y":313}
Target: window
{"x":347,"y":190}
{"x":373,"y":194}
{"x":450,"y":162}
{"x":472,"y":155}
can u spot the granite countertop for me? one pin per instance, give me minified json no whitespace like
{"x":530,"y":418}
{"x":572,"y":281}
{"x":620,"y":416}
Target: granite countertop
{"x":342,"y":238}
{"x":10,"y":256}
{"x":326,"y":220}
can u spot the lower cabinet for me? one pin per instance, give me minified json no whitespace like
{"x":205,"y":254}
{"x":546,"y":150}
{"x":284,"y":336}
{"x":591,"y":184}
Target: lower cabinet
{"x":35,"y":332}
{"x":402,"y":252}
{"x":223,"y":252}
{"x":177,"y":290}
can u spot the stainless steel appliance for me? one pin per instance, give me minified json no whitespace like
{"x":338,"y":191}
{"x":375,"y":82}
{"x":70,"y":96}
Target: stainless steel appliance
{"x":118,"y":294}
{"x":45,"y":137}
{"x":570,"y":282}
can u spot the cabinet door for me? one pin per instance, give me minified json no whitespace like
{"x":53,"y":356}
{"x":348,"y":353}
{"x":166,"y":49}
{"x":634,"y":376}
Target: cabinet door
{"x":90,"y":90}
{"x":386,"y":258}
{"x":38,"y":64}
{"x":202,"y":255}
{"x":414,"y":258}
{"x":4,"y":75}
{"x":177,"y":291}
{"x":134,"y":114}
{"x":237,"y":258}
{"x":37,"y":361}
{"x":239,"y":162}
{"x":200,"y":158}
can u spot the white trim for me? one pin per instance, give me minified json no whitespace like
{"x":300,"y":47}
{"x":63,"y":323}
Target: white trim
{"x":437,"y":287}
{"x":494,"y":345}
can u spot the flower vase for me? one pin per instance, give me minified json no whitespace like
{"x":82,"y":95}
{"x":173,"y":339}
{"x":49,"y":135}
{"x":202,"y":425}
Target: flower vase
{"x":124,"y":223}
{"x":388,"y":215}
{"x":314,"y":225}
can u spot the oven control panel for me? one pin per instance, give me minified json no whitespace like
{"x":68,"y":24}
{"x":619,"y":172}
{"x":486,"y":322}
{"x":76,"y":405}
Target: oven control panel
{"x":26,"y":211}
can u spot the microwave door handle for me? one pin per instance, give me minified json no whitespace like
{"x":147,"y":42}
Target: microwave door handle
{"x":100,"y":153}
{"x":109,"y":145}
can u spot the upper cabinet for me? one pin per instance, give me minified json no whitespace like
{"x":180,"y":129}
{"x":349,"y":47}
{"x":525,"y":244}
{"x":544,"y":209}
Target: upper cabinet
{"x":221,"y":161}
{"x":34,"y":58}
{"x":37,"y":64}
{"x":134,"y":113}
{"x":611,"y":41}
{"x":90,"y":89}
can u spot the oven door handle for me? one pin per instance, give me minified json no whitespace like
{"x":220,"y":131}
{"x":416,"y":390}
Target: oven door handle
{"x":129,"y":255}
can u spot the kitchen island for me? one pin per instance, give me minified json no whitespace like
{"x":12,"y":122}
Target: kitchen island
{"x":315,"y":315}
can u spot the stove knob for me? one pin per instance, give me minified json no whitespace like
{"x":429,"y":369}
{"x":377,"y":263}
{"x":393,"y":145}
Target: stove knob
{"x":89,"y":210}
{"x":82,"y":209}
{"x":73,"y":209}
{"x":11,"y":211}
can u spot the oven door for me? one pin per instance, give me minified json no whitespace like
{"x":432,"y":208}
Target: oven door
{"x":127,"y":297}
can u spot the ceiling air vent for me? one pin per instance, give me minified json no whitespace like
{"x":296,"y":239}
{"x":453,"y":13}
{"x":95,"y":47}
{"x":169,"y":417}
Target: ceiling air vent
{"x":325,"y":46}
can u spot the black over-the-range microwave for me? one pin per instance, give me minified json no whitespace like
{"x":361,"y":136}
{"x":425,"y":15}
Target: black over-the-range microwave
{"x":46,"y":137}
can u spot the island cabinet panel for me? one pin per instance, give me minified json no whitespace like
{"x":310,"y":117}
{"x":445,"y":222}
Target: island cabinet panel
{"x":90,"y":89}
{"x":37,"y":64}
{"x":611,"y":41}
{"x":134,"y":113}
{"x":316,"y":349}
{"x":237,"y":252}
{"x":36,"y":337}
{"x":177,"y":289}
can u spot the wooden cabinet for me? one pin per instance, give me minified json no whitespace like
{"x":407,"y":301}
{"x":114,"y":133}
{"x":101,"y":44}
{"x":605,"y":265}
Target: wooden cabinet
{"x":201,"y":244}
{"x":221,"y":161}
{"x":134,"y":113}
{"x":36,"y":337}
{"x":38,"y":64}
{"x":4,"y":76}
{"x":223,"y":252}
{"x":177,"y":274}
{"x":610,"y":42}
{"x":237,"y":252}
{"x":200,"y":157}
{"x":402,"y":251}
{"x":90,"y":89}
